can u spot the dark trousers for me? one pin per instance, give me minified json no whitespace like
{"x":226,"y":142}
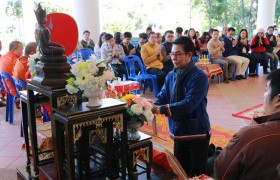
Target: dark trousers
{"x":192,"y":155}
{"x":160,"y":76}
{"x":119,"y":70}
{"x":253,"y":62}
{"x":262,"y":58}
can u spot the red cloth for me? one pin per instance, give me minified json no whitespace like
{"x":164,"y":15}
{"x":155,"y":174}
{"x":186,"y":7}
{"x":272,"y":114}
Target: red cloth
{"x":7,"y":63}
{"x":160,"y":159}
{"x":259,"y":49}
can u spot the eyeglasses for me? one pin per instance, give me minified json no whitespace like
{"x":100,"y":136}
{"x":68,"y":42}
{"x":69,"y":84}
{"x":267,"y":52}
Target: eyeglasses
{"x":171,"y":36}
{"x":176,"y":54}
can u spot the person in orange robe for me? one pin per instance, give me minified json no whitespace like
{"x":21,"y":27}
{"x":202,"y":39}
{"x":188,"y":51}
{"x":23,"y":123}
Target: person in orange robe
{"x":21,"y":66}
{"x":8,"y":61}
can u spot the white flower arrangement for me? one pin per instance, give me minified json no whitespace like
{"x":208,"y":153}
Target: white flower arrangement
{"x":32,"y":61}
{"x":91,"y":74}
{"x":139,"y":108}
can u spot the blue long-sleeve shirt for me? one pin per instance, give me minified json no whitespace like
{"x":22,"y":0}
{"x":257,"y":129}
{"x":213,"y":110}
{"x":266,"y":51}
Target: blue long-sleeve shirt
{"x":229,"y":49}
{"x":189,"y":118}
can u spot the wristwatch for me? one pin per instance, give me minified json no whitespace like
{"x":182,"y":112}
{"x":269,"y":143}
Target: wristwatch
{"x":158,"y":110}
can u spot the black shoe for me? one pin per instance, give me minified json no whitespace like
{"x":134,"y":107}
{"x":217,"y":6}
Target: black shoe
{"x":226,"y":81}
{"x":266,"y":72}
{"x":238,"y":77}
{"x":242,"y":77}
{"x":252,"y":75}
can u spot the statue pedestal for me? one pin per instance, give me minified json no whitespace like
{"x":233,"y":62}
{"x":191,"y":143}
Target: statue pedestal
{"x":51,"y":71}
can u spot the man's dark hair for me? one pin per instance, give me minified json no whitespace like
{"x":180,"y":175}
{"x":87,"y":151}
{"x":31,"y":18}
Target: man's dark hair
{"x":210,"y":31}
{"x":186,"y":32}
{"x":213,"y":30}
{"x":29,"y":48}
{"x":143,"y":35}
{"x":108,"y":36}
{"x":86,"y":31}
{"x":168,"y":31}
{"x":151,"y":33}
{"x":231,"y":29}
{"x":273,"y":77}
{"x":127,"y":35}
{"x":149,"y":29}
{"x":14,"y":45}
{"x":186,"y":43}
{"x":270,"y":27}
{"x":179,"y":30}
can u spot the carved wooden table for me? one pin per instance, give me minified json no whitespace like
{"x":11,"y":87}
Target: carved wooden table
{"x":56,"y":98}
{"x":68,"y":129}
{"x":139,"y":148}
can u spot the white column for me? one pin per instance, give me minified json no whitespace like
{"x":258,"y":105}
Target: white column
{"x":86,"y":15}
{"x":29,"y":20}
{"x":266,"y":13}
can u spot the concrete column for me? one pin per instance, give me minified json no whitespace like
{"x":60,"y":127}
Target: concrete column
{"x":266,"y":13}
{"x":29,"y":20}
{"x":86,"y":14}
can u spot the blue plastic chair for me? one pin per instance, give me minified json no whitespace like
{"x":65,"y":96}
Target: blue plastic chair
{"x":85,"y":53}
{"x":74,"y":55}
{"x":10,"y":98}
{"x":129,"y":63}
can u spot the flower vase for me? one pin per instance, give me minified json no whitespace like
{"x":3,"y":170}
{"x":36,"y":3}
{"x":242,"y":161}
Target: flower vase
{"x":93,"y":96}
{"x":132,"y":130}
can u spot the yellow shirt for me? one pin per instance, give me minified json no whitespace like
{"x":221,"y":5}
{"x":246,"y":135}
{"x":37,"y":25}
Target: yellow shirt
{"x":149,"y":57}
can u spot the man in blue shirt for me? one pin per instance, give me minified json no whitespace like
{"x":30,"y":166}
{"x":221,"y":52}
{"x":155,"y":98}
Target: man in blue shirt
{"x":231,"y":53}
{"x":183,"y":99}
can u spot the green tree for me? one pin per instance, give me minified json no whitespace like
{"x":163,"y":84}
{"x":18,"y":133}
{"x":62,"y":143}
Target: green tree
{"x":277,"y":13}
{"x":239,"y":14}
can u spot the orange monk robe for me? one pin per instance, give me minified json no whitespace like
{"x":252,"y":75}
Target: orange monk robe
{"x":21,"y":68}
{"x":7,"y":63}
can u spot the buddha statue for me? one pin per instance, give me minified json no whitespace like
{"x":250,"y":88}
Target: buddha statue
{"x":46,"y":47}
{"x":53,"y":67}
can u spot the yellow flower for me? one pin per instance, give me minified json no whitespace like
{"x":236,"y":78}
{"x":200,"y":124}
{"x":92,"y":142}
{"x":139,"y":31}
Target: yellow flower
{"x":128,"y":98}
{"x":83,"y":65}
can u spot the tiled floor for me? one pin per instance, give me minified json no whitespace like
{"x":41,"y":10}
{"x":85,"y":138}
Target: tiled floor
{"x":223,"y":100}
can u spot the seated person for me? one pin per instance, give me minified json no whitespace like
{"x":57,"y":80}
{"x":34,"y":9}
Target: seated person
{"x":202,"y":42}
{"x":113,"y":54}
{"x":192,"y":36}
{"x":143,"y":39}
{"x":231,"y":53}
{"x":8,"y":61}
{"x":97,"y":47}
{"x":166,"y":47}
{"x":258,"y":47}
{"x":179,"y":32}
{"x":21,"y":66}
{"x":118,"y":36}
{"x":269,"y":49}
{"x":216,"y":48}
{"x":253,"y":152}
{"x":127,"y":46}
{"x":87,"y":42}
{"x":276,"y":48}
{"x":159,"y":38}
{"x":152,"y":58}
{"x":243,"y":48}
